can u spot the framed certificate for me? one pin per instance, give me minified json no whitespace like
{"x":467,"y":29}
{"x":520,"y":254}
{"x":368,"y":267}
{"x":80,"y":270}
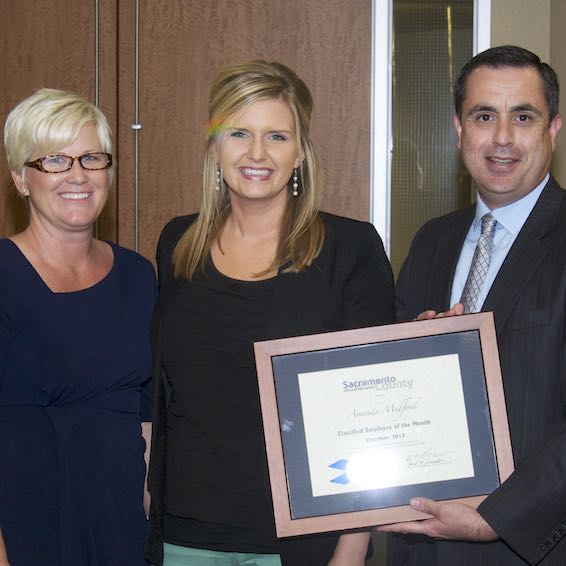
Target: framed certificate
{"x":358,"y":422}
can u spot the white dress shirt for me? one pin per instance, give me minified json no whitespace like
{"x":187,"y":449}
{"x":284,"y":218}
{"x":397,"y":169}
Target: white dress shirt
{"x":510,"y":220}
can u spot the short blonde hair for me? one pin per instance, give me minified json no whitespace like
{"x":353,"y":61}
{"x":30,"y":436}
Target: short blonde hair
{"x":302,"y":230}
{"x":47,"y":121}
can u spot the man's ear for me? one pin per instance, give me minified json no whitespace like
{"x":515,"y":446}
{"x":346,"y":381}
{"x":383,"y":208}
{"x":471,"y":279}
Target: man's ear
{"x":554,"y":127}
{"x":458,"y":126}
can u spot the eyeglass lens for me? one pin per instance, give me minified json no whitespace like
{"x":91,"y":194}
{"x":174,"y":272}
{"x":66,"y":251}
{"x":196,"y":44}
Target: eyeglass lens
{"x":89,"y":161}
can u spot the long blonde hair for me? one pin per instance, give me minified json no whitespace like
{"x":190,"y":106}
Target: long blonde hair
{"x":302,"y":230}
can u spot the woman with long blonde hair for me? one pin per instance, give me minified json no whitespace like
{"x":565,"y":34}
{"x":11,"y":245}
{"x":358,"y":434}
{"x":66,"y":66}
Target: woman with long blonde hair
{"x":259,"y":261}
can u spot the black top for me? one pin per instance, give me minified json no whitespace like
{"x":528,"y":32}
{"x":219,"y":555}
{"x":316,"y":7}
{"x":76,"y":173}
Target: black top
{"x":214,"y":416}
{"x":75,"y":374}
{"x":349,"y":285}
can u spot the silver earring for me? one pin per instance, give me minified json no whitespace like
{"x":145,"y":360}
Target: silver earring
{"x":218,"y":177}
{"x":295,"y":192}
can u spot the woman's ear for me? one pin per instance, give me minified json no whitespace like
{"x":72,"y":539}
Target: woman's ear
{"x":18,"y":179}
{"x":300,"y":159}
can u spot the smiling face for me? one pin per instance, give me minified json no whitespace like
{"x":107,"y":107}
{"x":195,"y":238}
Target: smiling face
{"x":68,"y":201}
{"x":257,"y":151}
{"x":504,"y":133}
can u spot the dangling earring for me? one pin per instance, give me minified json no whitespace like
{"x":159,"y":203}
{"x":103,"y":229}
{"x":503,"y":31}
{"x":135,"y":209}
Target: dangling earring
{"x":295,"y":192}
{"x":218,"y":177}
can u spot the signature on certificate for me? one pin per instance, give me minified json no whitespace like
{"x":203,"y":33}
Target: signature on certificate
{"x":425,"y":458}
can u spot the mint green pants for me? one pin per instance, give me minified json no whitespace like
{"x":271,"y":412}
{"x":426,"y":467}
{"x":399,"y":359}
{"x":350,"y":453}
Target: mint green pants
{"x":184,"y":556}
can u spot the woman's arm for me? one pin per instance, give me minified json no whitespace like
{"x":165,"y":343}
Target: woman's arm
{"x":146,"y":433}
{"x":3,"y":553}
{"x":351,"y":550}
{"x":4,"y":341}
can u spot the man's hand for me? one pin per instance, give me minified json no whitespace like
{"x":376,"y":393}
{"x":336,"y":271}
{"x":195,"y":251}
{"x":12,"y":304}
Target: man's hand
{"x":454,"y":310}
{"x":453,"y":521}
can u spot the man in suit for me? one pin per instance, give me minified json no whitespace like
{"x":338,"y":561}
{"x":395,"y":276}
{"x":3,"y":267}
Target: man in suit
{"x":506,"y":121}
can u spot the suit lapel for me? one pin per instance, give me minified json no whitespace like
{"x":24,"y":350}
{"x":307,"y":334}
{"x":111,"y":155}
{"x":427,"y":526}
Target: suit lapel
{"x":525,"y":255}
{"x":447,"y":255}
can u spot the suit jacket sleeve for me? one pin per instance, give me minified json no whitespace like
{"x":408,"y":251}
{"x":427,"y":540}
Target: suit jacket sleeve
{"x":529,"y":298}
{"x":528,"y":511}
{"x":368,"y":290}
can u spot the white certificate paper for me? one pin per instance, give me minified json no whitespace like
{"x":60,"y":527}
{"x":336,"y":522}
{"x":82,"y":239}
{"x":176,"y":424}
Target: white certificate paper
{"x":385,"y":425}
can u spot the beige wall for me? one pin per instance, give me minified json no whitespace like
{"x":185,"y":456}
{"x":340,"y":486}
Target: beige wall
{"x":558,"y":61}
{"x":538,"y":26}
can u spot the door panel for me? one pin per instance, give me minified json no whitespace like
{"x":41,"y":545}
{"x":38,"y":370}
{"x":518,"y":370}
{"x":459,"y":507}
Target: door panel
{"x":184,"y":44}
{"x":52,"y":44}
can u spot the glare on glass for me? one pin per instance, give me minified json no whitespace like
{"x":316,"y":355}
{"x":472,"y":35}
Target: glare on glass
{"x":61,"y":163}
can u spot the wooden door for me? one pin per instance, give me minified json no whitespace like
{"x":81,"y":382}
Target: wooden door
{"x":90,"y":47}
{"x":184,"y":44}
{"x":62,"y":44}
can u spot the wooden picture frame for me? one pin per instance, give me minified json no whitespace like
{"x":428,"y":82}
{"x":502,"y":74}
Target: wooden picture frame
{"x":356,"y":422}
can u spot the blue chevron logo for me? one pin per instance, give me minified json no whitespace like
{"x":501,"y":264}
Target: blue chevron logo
{"x":342,"y":479}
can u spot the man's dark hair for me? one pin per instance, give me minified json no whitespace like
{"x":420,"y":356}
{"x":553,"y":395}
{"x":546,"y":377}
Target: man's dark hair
{"x":509,"y":56}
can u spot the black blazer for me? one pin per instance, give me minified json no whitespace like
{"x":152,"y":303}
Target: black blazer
{"x":528,"y":297}
{"x":349,"y":285}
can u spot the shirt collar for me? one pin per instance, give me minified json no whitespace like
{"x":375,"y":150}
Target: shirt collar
{"x":512,"y":216}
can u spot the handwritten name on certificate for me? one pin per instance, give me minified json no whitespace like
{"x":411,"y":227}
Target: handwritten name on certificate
{"x":385,"y":425}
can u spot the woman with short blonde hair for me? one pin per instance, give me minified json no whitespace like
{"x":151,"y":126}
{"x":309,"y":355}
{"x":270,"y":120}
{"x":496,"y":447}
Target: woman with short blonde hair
{"x":75,"y":363}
